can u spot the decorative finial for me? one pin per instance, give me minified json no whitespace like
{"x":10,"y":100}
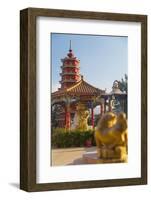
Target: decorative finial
{"x":70,"y":54}
{"x":70,"y":46}
{"x":81,"y":77}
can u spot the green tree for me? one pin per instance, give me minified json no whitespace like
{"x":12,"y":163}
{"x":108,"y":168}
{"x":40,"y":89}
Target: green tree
{"x":54,"y":115}
{"x":123,"y":84}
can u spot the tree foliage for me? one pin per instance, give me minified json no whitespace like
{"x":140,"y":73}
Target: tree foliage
{"x":123,"y":84}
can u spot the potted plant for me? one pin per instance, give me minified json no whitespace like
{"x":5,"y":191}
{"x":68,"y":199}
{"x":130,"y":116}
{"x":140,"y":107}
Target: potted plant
{"x":88,"y":142}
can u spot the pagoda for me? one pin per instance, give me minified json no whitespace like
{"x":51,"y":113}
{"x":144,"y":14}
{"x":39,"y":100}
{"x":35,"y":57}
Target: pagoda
{"x":74,"y":90}
{"x":70,"y":70}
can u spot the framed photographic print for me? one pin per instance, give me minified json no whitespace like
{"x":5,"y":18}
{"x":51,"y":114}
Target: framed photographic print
{"x":83,"y":99}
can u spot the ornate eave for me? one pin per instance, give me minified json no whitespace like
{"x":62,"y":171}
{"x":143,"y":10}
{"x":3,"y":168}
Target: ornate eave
{"x":82,"y":88}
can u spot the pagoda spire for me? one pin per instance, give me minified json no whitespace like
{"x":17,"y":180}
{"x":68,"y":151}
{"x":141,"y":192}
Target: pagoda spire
{"x":70,"y":74}
{"x":70,"y":47}
{"x":70,"y":54}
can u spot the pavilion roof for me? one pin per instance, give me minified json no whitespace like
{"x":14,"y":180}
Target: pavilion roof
{"x":80,"y":88}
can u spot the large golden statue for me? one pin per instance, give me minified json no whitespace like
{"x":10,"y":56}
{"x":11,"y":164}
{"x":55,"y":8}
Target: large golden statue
{"x":111,"y":137}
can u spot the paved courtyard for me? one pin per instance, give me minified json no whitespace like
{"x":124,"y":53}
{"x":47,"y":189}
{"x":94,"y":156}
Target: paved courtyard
{"x":69,"y":156}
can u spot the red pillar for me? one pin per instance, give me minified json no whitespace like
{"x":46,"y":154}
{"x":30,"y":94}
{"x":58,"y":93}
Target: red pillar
{"x":67,"y":117}
{"x":92,"y":117}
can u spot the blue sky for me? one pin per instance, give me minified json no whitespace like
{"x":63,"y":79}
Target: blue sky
{"x":103,"y":59}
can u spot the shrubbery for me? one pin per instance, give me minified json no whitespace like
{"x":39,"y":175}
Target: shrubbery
{"x":61,"y":138}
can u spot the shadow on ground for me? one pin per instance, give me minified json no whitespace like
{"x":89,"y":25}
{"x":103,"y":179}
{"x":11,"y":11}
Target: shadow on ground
{"x":90,"y":149}
{"x":78,"y":161}
{"x":16,"y":185}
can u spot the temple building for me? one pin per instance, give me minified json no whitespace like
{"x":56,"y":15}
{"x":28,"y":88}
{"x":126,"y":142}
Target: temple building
{"x":75,"y":92}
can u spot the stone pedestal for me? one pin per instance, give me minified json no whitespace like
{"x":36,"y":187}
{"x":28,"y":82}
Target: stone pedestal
{"x":92,"y":158}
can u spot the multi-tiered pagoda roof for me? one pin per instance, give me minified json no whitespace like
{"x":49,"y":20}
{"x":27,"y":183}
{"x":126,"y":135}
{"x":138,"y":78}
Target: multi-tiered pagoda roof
{"x":81,"y":88}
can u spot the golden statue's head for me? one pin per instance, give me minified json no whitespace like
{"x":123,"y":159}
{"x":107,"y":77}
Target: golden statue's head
{"x":108,"y":120}
{"x":81,"y":106}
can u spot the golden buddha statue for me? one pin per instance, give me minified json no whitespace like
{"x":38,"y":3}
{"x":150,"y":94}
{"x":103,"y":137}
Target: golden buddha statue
{"x":82,"y":115}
